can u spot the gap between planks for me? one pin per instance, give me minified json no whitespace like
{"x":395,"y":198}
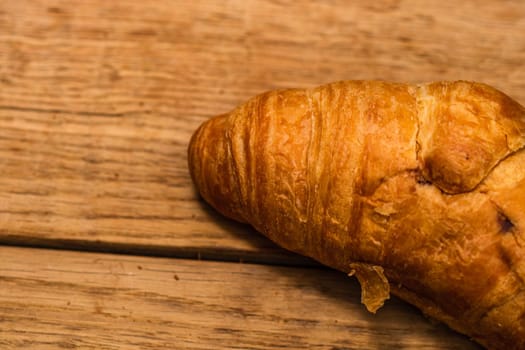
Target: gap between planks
{"x":269,"y":256}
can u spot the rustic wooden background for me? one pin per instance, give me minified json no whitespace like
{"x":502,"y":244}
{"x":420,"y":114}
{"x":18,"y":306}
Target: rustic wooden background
{"x":104,"y":242}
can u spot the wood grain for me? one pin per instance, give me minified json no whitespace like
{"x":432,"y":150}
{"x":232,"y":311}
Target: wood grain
{"x":57,"y":299}
{"x":98,"y":100}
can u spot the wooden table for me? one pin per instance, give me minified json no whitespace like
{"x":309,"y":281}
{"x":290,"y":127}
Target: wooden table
{"x":106,"y":245}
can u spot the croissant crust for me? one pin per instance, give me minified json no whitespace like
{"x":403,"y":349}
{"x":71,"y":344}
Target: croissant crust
{"x":418,"y":190}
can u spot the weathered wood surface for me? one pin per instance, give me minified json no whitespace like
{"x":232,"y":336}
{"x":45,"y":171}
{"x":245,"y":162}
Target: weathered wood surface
{"x":98,"y":100}
{"x":56,"y":299}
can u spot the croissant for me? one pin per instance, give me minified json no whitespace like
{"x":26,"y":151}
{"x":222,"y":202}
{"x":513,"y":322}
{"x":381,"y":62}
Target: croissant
{"x":417,"y":190}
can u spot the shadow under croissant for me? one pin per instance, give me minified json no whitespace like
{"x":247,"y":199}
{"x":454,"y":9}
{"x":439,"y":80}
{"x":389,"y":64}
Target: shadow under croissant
{"x":260,"y":249}
{"x":384,"y":330}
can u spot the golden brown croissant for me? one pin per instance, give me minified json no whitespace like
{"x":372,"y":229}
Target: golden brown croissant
{"x":418,"y":190}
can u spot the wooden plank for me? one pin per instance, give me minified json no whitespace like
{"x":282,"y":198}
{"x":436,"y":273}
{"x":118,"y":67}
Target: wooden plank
{"x":58,"y":299}
{"x":98,"y":100}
